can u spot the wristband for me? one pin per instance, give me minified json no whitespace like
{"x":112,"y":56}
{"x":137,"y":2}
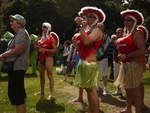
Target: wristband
{"x":80,"y":26}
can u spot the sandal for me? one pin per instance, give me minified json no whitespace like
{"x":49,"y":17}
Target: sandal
{"x":50,"y":97}
{"x":77,"y":100}
{"x":38,"y":93}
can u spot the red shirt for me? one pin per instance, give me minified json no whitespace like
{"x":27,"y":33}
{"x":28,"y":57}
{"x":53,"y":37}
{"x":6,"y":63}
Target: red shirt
{"x":126,"y":45}
{"x":85,"y":51}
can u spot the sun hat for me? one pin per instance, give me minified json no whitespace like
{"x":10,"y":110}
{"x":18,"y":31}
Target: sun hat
{"x":134,"y":14}
{"x":19,"y":18}
{"x":55,"y":36}
{"x":81,"y":14}
{"x":33,"y":37}
{"x":100,"y":15}
{"x":8,"y":35}
{"x":144,"y":31}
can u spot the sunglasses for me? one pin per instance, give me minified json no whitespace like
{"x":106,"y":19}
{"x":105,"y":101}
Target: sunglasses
{"x":44,"y":27}
{"x":90,"y":16}
{"x":128,"y":19}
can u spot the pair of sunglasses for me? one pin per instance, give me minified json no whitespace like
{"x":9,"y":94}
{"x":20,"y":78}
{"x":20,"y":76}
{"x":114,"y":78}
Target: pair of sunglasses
{"x":90,"y":16}
{"x":128,"y":19}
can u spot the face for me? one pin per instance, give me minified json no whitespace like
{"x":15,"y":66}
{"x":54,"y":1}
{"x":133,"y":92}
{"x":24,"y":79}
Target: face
{"x":119,"y":33}
{"x":128,"y":22}
{"x":14,"y":24}
{"x":90,"y":18}
{"x":44,"y":29}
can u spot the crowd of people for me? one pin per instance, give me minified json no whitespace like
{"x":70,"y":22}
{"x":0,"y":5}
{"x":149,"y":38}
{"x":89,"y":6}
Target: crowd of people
{"x":126,"y":54}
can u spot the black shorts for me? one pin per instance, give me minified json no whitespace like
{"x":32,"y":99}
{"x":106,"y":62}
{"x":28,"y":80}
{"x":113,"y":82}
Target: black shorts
{"x":16,"y":89}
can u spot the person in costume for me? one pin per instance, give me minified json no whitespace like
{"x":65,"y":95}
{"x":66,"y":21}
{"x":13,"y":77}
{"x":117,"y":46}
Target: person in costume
{"x":46,"y":46}
{"x":33,"y":54}
{"x":87,"y":74}
{"x":131,"y":56}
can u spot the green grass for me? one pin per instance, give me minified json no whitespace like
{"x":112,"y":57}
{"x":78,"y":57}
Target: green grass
{"x":64,"y":93}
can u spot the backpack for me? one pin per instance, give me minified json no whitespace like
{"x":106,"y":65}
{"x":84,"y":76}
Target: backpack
{"x":3,"y":45}
{"x":101,"y":52}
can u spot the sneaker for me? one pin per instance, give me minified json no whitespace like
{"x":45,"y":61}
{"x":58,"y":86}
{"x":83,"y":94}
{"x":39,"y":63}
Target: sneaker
{"x":118,"y":92}
{"x":105,"y":92}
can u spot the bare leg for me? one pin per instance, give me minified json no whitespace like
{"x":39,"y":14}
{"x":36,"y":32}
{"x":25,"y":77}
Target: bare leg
{"x":41,"y":69}
{"x":42,"y":80}
{"x":66,"y":76}
{"x":80,"y":96}
{"x":93,"y":100}
{"x":142,"y":94}
{"x":129,"y":100}
{"x":137,"y":99}
{"x":105,"y":80}
{"x":51,"y":84}
{"x":21,"y":108}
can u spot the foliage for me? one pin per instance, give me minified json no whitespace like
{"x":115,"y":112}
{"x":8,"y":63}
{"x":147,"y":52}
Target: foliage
{"x":61,"y":14}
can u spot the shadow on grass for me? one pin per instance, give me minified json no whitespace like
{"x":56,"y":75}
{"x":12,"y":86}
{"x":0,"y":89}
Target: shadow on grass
{"x":48,"y":106}
{"x":31,"y":75}
{"x":111,"y":99}
{"x":4,"y":78}
{"x":146,"y":81}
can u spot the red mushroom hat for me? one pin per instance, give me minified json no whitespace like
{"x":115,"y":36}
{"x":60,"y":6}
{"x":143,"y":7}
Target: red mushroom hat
{"x":98,"y":12}
{"x":134,"y":14}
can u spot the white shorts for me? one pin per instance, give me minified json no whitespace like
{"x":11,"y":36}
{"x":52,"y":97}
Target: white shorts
{"x":148,"y":62}
{"x":116,"y":70}
{"x":103,"y":66}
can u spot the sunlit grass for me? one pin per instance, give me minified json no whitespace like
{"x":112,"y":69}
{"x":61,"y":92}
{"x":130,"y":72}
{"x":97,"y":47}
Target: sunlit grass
{"x":64,"y":93}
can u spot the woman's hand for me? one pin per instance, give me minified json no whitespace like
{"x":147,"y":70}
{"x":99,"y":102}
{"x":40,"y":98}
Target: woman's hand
{"x":2,"y":58}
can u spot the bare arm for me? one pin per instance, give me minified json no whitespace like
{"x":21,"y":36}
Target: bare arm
{"x":19,"y":48}
{"x":95,"y":35}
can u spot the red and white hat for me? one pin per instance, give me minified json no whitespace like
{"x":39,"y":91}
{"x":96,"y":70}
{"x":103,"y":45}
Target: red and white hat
{"x":55,"y":36}
{"x":81,"y":14}
{"x":135,"y":15}
{"x":144,"y":31}
{"x":100,"y":15}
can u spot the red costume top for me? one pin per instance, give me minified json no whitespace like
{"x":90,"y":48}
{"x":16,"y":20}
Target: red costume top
{"x":46,"y":44}
{"x":85,"y":51}
{"x":126,"y":45}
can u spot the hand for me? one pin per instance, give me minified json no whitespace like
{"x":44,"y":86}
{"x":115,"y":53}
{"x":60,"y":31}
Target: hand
{"x":78,"y":20}
{"x":2,"y":58}
{"x":122,"y":57}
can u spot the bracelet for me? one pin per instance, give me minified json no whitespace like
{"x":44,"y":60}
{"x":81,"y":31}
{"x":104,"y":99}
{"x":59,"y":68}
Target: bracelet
{"x":80,"y":26}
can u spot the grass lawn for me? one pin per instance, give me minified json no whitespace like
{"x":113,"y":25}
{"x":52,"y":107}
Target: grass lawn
{"x":64,"y":93}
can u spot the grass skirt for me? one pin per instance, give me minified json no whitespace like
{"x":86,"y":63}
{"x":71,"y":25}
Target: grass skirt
{"x":87,"y":75}
{"x":130,"y":75}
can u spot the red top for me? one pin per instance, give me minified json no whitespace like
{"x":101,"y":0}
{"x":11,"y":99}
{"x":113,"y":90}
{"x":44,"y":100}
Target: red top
{"x":85,"y":51}
{"x":46,"y":44}
{"x":126,"y":45}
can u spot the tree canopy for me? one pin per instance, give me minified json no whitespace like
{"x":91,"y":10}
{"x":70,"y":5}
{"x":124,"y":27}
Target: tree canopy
{"x":61,"y":13}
